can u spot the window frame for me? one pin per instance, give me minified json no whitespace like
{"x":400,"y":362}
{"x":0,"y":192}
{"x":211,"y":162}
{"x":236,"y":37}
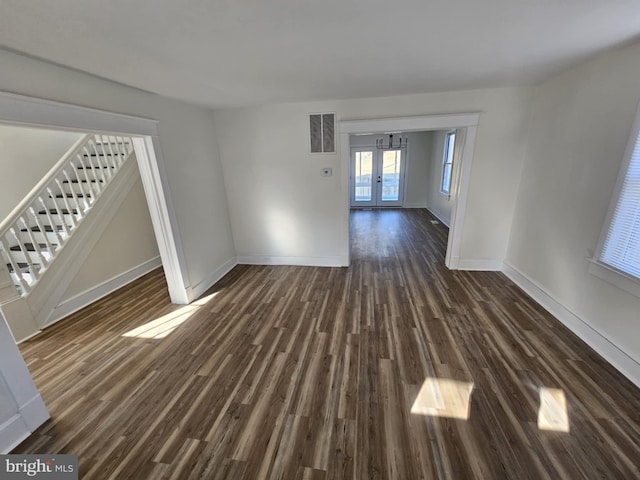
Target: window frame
{"x":597,"y":267}
{"x":447,"y":139}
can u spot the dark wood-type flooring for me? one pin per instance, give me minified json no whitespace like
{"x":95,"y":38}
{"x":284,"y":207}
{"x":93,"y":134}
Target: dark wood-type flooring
{"x":313,"y":373}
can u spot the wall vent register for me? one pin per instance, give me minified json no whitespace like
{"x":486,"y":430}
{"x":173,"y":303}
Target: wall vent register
{"x":322,"y":132}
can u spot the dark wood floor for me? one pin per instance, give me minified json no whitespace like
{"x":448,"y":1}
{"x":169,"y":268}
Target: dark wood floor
{"x":393,"y":368}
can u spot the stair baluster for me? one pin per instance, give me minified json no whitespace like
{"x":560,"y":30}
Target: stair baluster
{"x":36,"y":244}
{"x":40,"y":227}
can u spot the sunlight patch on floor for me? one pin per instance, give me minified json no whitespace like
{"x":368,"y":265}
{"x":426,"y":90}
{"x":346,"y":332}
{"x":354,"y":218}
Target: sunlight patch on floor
{"x":443,"y":397}
{"x":163,"y":326}
{"x":552,"y":414}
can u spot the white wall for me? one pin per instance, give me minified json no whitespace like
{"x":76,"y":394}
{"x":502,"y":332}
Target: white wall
{"x":419,"y":153}
{"x":127,"y":243}
{"x":282,"y":209}
{"x":417,"y":157}
{"x":195,"y":181}
{"x":580,"y":123}
{"x":437,"y":203}
{"x":26,"y":155}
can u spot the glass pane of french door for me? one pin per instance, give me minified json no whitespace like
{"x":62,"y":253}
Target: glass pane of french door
{"x":363,"y":176}
{"x":391,"y":175}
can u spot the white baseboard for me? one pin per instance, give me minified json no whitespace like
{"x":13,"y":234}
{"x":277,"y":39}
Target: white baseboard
{"x":483,"y":265}
{"x":414,"y":205}
{"x":34,"y":412}
{"x":623,"y":362}
{"x":297,"y":261}
{"x":28,"y":418}
{"x":12,"y":433}
{"x":204,"y":285}
{"x":439,"y":216}
{"x":34,"y":334}
{"x":81,"y":300}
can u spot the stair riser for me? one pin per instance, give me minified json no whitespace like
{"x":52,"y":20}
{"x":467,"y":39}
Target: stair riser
{"x":79,"y":183}
{"x":93,"y":171}
{"x":77,"y":188}
{"x":62,"y":203}
{"x":40,"y":237}
{"x":30,"y":257}
{"x":87,"y":180}
{"x":72,"y":195}
{"x":44,"y":219}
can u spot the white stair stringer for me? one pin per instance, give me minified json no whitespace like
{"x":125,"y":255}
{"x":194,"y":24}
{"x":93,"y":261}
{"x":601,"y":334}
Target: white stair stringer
{"x":47,"y":293}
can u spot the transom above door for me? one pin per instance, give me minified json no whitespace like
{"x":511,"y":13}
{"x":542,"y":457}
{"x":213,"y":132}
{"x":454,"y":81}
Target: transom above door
{"x":377,"y":177}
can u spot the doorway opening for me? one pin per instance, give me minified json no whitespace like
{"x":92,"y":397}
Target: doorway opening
{"x":364,"y":169}
{"x":24,"y":111}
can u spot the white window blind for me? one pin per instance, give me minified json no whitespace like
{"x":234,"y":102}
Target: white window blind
{"x":621,"y":248}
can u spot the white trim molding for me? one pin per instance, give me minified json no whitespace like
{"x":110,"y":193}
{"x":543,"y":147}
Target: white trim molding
{"x":415,"y":205}
{"x":336,"y":261}
{"x":38,"y":112}
{"x":197,"y":290}
{"x":163,"y":216}
{"x":29,"y":410}
{"x":409,"y":124}
{"x":620,"y":360}
{"x":462,"y":170}
{"x":81,"y":300}
{"x":438,"y":215}
{"x":12,"y":433}
{"x":480,"y":265}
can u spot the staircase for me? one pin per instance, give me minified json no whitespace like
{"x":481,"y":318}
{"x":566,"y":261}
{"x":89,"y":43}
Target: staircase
{"x":39,"y":227}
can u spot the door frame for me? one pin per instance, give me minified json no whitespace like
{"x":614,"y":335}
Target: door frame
{"x":461,"y":174}
{"x":35,"y":112}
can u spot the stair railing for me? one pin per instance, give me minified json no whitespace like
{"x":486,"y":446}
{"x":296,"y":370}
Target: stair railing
{"x":37,"y":229}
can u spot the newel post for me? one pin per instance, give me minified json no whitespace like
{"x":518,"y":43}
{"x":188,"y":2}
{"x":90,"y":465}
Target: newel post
{"x":15,"y":308}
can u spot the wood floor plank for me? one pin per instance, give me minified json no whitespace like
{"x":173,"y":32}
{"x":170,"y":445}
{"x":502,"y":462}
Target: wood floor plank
{"x":394,"y":368}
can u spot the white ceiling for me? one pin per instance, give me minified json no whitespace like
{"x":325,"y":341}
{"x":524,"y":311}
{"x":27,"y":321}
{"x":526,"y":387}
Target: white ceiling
{"x":223,"y":53}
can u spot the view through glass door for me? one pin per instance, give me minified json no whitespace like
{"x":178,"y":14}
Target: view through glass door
{"x":377,"y":177}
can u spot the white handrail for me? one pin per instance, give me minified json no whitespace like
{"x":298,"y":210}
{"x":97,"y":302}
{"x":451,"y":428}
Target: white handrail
{"x":37,"y":190}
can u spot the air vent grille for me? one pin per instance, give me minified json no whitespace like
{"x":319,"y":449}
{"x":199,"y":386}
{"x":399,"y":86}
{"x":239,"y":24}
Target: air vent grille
{"x":322,"y":132}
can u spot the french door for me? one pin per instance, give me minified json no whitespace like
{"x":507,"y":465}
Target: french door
{"x":377,"y":177}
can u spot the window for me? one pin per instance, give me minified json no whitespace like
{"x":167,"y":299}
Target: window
{"x":620,"y":243}
{"x":447,"y":163}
